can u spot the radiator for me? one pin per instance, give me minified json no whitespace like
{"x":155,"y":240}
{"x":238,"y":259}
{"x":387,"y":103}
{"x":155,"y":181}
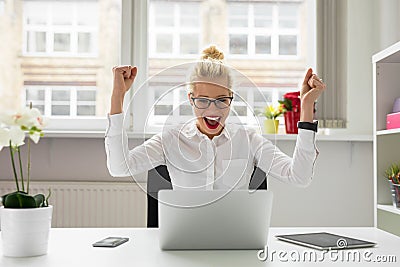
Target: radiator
{"x":91,"y":204}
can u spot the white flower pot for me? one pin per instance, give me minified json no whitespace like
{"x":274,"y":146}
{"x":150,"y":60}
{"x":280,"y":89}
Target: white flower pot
{"x":25,"y":232}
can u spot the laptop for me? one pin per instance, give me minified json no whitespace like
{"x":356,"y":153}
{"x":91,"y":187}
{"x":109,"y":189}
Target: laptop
{"x":237,"y":219}
{"x":325,"y":241}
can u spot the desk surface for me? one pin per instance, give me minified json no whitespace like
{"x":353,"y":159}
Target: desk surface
{"x":72,"y":247}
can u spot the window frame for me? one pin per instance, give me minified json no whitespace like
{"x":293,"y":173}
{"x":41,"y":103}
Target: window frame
{"x":48,"y":101}
{"x":173,"y":30}
{"x":87,"y":123}
{"x":50,"y":29}
{"x":252,"y":32}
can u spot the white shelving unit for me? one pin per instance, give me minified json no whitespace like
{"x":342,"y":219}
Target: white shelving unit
{"x":386,"y":82}
{"x":389,"y":208}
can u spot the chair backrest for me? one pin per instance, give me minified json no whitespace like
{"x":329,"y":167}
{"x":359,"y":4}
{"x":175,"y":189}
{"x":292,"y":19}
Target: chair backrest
{"x":158,"y":179}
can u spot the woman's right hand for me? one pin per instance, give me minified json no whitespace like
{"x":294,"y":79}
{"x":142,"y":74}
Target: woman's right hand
{"x":123,"y":80}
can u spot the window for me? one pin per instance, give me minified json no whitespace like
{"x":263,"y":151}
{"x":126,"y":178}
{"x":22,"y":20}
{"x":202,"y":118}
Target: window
{"x":60,"y":28}
{"x":264,"y":40}
{"x":66,"y":61}
{"x":264,"y":28}
{"x":62,"y":100}
{"x":174,"y":28}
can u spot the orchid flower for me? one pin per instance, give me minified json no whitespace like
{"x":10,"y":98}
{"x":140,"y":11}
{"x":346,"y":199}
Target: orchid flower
{"x":17,"y":136}
{"x":13,"y":127}
{"x":4,"y":137}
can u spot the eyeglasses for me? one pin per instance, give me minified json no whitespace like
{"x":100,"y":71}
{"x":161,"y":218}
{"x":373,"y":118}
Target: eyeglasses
{"x":203,"y":103}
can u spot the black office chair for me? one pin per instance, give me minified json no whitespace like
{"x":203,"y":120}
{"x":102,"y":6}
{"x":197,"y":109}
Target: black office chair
{"x":158,"y":179}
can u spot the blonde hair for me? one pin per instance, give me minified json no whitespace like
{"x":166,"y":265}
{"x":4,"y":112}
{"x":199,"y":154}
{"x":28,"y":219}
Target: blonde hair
{"x":211,"y":65}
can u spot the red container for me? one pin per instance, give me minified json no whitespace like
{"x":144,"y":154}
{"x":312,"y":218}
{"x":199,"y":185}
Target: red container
{"x":291,"y":119}
{"x":393,"y":120}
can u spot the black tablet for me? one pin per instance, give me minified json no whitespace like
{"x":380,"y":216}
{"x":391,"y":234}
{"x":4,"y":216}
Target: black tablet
{"x":325,"y":241}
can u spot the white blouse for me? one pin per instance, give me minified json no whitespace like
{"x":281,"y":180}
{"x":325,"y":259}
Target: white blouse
{"x":196,"y":162}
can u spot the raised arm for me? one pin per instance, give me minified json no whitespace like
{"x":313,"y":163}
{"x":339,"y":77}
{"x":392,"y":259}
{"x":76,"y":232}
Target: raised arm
{"x":299,"y":168}
{"x":120,"y":160}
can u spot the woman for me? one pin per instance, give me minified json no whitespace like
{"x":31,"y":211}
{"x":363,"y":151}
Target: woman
{"x":207,"y":153}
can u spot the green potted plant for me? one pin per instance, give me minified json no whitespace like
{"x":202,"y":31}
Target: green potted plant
{"x":25,"y":218}
{"x":393,"y":176}
{"x":271,"y":123}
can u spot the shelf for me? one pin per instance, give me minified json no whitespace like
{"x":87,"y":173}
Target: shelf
{"x":386,"y":132}
{"x":389,"y":208}
{"x":386,"y":69}
{"x":324,"y":137}
{"x":348,"y":138}
{"x":389,"y":55}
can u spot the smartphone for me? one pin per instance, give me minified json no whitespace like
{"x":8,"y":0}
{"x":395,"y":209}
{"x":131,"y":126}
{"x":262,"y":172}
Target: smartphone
{"x":111,"y":242}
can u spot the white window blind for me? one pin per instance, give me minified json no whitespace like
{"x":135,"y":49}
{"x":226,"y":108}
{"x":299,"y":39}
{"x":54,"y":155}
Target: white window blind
{"x":331,"y":46}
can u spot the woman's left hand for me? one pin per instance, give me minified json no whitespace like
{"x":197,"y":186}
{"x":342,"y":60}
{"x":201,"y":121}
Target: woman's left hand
{"x":311,"y":88}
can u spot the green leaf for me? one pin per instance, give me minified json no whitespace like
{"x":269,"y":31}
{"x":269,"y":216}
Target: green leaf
{"x":19,"y":200}
{"x":40,"y":200}
{"x":393,"y":173}
{"x":287,"y":104}
{"x":3,"y":198}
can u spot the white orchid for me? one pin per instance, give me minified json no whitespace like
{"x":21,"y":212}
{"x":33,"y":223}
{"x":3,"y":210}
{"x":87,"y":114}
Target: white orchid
{"x":17,"y":136}
{"x":14,"y":125}
{"x":27,"y":117}
{"x":30,"y":117}
{"x":6,"y":118}
{"x":4,"y":138}
{"x":35,"y":137}
{"x":13,"y":129}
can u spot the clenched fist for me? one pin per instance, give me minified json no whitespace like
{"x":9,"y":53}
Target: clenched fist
{"x":311,"y":89}
{"x":123,"y":80}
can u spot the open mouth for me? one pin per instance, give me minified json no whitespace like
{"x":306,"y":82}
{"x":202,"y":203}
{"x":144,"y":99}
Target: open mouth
{"x":212,"y":122}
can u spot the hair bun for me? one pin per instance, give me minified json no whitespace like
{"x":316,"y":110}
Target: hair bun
{"x":213,"y":53}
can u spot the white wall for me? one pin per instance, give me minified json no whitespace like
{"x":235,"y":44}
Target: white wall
{"x":341,"y":193}
{"x":361,"y":44}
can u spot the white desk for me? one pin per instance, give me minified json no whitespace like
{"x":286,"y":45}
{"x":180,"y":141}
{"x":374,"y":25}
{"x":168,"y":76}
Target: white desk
{"x":72,"y":247}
